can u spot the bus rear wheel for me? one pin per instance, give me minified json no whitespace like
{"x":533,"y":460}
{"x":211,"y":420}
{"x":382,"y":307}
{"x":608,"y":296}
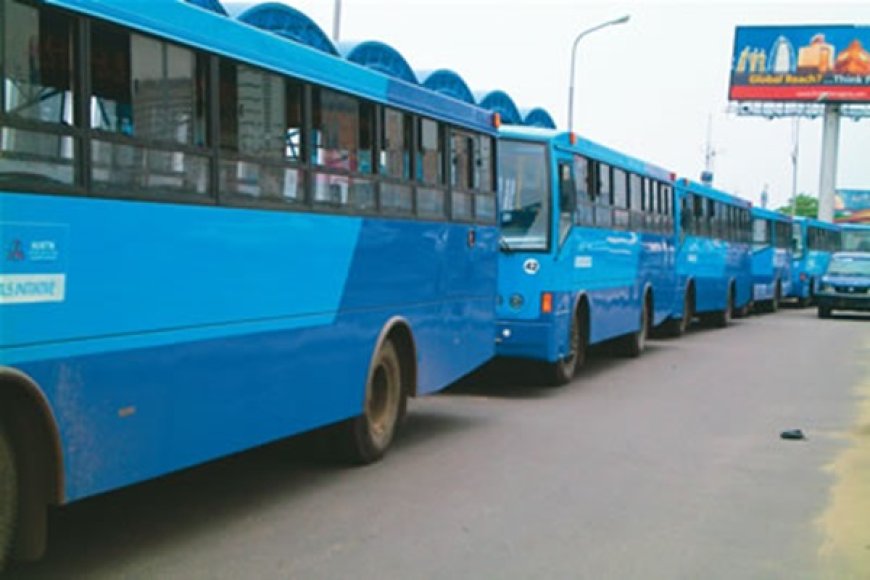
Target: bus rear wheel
{"x":676,"y":327}
{"x":777,"y":297}
{"x":722,"y":318}
{"x":8,"y":497}
{"x":632,"y":345}
{"x":366,"y":438}
{"x":564,"y":369}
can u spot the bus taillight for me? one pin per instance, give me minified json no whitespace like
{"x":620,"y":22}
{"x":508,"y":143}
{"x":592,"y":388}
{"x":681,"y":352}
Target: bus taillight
{"x":546,"y":303}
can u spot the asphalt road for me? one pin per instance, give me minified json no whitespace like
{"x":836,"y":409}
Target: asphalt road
{"x":668,"y":466}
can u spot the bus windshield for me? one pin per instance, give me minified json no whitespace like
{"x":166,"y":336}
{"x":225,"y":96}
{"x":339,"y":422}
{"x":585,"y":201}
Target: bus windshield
{"x":525,"y":195}
{"x":797,"y":240}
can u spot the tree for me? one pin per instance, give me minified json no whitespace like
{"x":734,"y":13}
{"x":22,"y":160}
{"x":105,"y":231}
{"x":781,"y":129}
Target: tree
{"x":805,"y":205}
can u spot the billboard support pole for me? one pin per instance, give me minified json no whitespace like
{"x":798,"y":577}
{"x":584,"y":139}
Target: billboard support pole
{"x":828,"y":172}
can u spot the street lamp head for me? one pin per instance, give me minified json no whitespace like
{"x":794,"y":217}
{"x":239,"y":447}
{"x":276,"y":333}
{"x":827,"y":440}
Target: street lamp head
{"x":620,"y":20}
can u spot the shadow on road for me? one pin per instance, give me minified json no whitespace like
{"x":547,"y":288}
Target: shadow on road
{"x":519,"y":379}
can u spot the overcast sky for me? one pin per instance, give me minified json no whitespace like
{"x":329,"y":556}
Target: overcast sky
{"x":646,"y":87}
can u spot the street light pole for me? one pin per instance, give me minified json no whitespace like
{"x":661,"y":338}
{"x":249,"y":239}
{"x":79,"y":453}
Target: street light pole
{"x":336,"y":20}
{"x":621,"y":20}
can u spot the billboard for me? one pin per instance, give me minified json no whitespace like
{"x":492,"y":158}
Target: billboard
{"x":801,"y":63}
{"x":852,"y":206}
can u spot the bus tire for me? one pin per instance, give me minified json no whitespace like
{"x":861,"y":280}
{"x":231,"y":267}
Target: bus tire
{"x":676,"y":327}
{"x":632,"y":345}
{"x":563,"y":370}
{"x":722,"y":318}
{"x":366,"y":438}
{"x":777,"y":297}
{"x":8,"y":497}
{"x":824,"y":311}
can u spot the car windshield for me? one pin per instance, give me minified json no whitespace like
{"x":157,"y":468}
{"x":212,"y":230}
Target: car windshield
{"x":850,"y":266}
{"x":525,"y":195}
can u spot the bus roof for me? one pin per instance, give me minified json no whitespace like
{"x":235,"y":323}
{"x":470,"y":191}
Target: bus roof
{"x":196,"y":27}
{"x":712,"y":193}
{"x":770,"y":214}
{"x":562,"y":140}
{"x":816,"y":223}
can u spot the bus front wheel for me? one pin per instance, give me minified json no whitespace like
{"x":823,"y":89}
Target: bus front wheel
{"x":8,"y":496}
{"x":366,"y":438}
{"x":564,"y":369}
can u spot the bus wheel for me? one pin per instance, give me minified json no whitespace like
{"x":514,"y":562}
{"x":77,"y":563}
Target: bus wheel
{"x":824,"y":311}
{"x":722,"y":318}
{"x":365,"y":439}
{"x":633,"y":344}
{"x":8,"y":497}
{"x":777,"y":296}
{"x":676,"y":327}
{"x":563,"y":370}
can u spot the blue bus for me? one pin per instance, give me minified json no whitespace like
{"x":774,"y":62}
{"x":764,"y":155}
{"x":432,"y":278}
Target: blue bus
{"x":855,"y":237}
{"x":213,"y":238}
{"x":714,"y":263}
{"x":813,"y":242}
{"x":587,"y":248}
{"x":771,"y":258}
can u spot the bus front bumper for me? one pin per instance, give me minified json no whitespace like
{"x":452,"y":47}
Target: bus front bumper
{"x":527,"y":339}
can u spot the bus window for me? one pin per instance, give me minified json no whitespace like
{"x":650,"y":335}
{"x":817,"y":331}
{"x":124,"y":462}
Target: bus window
{"x":261,"y":121}
{"x":462,"y":173}
{"x":760,"y":232}
{"x":395,"y":162}
{"x":36,"y":65}
{"x":152,"y":92}
{"x":342,"y":129}
{"x":567,"y":198}
{"x":431,"y":197}
{"x":524,"y":192}
{"x":484,"y":197}
{"x":585,"y":194}
{"x":636,"y":201}
{"x":620,"y":200}
{"x":603,"y":197}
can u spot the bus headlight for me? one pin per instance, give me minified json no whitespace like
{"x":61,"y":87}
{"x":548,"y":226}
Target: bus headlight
{"x":825,"y":287}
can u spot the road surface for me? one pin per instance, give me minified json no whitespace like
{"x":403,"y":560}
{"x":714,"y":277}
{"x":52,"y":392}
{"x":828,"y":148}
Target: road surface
{"x":668,"y":466}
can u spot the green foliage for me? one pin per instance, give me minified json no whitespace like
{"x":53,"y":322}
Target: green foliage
{"x":805,"y":205}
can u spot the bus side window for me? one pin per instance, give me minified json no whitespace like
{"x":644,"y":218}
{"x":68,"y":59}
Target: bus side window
{"x":585,"y":193}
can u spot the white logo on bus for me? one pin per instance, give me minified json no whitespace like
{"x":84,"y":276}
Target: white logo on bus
{"x":583,"y":262}
{"x":531,"y":266}
{"x":32,"y":288}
